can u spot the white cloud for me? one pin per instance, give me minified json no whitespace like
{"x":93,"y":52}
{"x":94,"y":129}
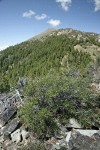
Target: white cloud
{"x":97,"y":5}
{"x":54,"y":23}
{"x":2,"y":47}
{"x":28,"y":14}
{"x":64,"y":4}
{"x":41,"y":17}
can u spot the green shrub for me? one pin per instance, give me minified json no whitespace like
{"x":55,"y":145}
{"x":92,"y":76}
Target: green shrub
{"x":57,"y":97}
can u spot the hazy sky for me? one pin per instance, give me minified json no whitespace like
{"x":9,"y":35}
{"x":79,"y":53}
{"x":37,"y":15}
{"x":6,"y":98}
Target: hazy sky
{"x":22,"y":19}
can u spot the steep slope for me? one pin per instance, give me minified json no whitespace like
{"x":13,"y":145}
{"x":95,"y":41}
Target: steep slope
{"x":55,"y":78}
{"x":52,"y":50}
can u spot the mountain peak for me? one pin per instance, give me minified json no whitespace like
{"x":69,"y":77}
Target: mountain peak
{"x":43,"y":35}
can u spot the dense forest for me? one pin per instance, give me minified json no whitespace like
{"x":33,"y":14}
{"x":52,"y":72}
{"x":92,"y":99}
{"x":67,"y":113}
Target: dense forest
{"x":34,"y":59}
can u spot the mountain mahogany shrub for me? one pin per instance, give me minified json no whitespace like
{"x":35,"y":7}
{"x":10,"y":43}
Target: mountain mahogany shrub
{"x":57,"y":97}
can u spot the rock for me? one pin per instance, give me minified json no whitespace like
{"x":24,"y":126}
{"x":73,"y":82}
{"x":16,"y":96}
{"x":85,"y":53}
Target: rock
{"x":1,"y":146}
{"x":61,"y":132}
{"x":73,"y":123}
{"x":11,"y":126}
{"x":52,"y":140}
{"x":81,"y":142}
{"x":10,"y":146}
{"x":22,"y":82}
{"x":88,"y":133}
{"x":1,"y":139}
{"x":60,"y":145}
{"x":16,"y":136}
{"x":24,"y":134}
{"x":3,"y":98}
{"x":68,"y":137}
{"x":56,"y":147}
{"x":6,"y":115}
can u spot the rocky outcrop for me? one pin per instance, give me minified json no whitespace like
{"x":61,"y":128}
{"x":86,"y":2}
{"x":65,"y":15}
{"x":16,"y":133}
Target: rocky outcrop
{"x":8,"y":106}
{"x":10,"y":126}
{"x":79,"y":141}
{"x":6,"y":115}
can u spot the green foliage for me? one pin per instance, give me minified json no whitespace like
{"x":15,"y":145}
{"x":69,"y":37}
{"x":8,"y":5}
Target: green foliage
{"x":37,"y":58}
{"x":4,"y":84}
{"x":58,"y":97}
{"x":98,"y":60}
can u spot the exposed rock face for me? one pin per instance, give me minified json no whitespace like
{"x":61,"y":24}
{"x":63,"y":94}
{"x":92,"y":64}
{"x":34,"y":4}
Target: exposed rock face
{"x":82,"y":142}
{"x":79,"y":140}
{"x":8,"y":106}
{"x":16,"y":136}
{"x":6,"y":115}
{"x":11,"y":126}
{"x":1,"y":147}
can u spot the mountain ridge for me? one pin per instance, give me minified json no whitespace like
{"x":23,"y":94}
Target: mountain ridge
{"x":66,"y":31}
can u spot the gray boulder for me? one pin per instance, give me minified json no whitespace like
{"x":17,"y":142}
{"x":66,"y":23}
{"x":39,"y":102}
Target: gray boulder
{"x":1,"y":147}
{"x":88,"y":133}
{"x":11,"y":127}
{"x":24,"y":134}
{"x":1,"y":139}
{"x":6,"y":115}
{"x":73,"y":123}
{"x":9,"y":145}
{"x":3,"y":99}
{"x":16,"y":136}
{"x":81,"y":142}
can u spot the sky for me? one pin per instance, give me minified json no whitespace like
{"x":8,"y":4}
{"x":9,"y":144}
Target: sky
{"x":22,"y":19}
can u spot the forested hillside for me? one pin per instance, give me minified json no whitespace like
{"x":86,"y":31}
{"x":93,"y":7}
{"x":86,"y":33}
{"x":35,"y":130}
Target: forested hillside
{"x":58,"y":75}
{"x":40,"y":56}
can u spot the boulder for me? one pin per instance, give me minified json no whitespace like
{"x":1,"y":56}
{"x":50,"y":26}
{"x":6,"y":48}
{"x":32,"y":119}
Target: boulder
{"x":73,"y":123}
{"x":79,"y":140}
{"x":24,"y":134}
{"x":1,"y":146}
{"x":11,"y":126}
{"x":56,"y":147}
{"x":1,"y":139}
{"x":3,"y":98}
{"x":88,"y":133}
{"x":9,"y":145}
{"x":16,"y":136}
{"x":6,"y":115}
{"x":82,"y":142}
